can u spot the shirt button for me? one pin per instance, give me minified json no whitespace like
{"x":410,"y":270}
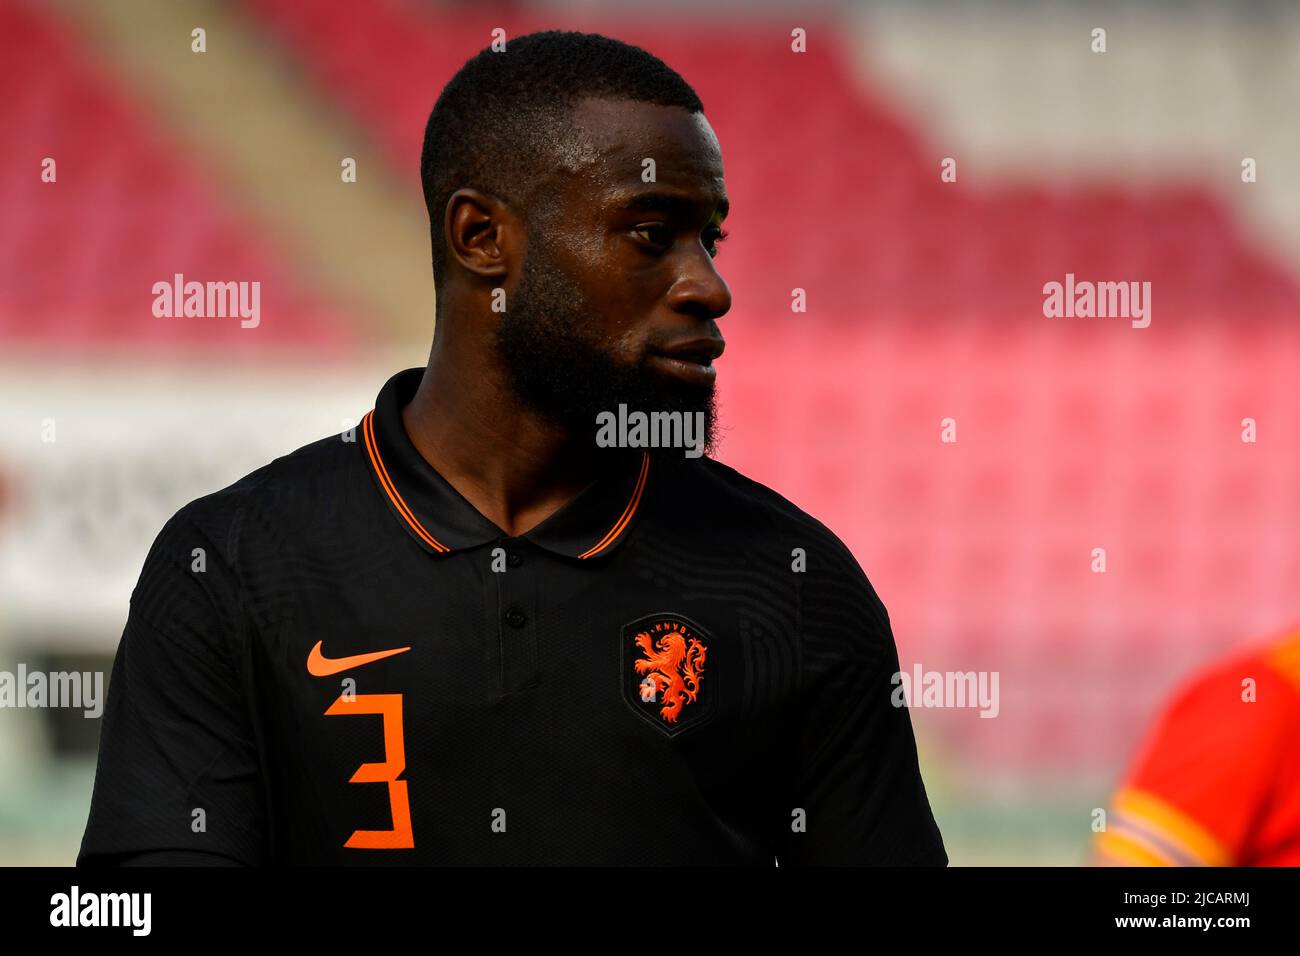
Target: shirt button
{"x":514,"y":559}
{"x":515,"y":617}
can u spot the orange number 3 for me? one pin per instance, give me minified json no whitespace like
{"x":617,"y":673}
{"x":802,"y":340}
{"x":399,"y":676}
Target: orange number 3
{"x":389,"y":707}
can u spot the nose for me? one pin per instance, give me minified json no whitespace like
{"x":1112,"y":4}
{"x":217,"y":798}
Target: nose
{"x":699,"y":290}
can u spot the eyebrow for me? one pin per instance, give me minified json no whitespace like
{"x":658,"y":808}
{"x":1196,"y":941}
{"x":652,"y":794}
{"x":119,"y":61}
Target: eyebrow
{"x":672,"y":203}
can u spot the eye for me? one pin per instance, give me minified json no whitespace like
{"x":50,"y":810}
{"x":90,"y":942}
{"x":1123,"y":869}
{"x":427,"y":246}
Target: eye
{"x":712,"y":237}
{"x":655,"y":233}
{"x":661,"y":237}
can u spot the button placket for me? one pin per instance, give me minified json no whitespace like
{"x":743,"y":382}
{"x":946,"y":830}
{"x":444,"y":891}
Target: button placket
{"x":517,"y":590}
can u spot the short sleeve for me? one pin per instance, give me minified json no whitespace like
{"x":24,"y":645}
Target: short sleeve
{"x":1203,"y":777}
{"x":178,"y":775}
{"x":857,"y":777}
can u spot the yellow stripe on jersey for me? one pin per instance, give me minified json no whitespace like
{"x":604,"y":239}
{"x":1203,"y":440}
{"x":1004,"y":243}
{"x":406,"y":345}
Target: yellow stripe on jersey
{"x":1130,"y":849}
{"x":1172,"y":825}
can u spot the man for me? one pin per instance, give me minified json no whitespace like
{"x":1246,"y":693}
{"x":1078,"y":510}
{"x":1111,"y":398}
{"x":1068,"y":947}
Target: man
{"x":477,"y":634}
{"x":1217,"y":781}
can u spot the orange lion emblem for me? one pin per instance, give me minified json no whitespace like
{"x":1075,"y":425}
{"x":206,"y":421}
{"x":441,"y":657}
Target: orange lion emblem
{"x":675,"y":667}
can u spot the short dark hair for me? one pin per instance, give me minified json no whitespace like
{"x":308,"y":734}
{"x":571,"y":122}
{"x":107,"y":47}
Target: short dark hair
{"x":502,"y":112}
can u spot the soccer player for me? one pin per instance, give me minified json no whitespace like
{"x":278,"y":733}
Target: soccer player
{"x":1217,"y":781}
{"x":471,"y":633}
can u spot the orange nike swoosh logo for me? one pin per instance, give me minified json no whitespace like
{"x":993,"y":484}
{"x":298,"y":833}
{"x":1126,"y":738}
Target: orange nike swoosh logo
{"x":318,"y":665}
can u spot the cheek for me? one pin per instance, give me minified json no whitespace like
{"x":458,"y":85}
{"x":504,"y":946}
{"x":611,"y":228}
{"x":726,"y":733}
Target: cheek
{"x":630,"y":346}
{"x":620,"y":289}
{"x":620,"y":304}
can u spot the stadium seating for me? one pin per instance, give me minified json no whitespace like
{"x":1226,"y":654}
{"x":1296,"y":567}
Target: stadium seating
{"x":79,"y":257}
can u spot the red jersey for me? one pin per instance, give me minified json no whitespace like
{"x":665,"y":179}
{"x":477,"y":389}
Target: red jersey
{"x":1217,"y":781}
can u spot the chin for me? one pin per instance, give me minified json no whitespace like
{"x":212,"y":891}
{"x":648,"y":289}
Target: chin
{"x":662,"y":392}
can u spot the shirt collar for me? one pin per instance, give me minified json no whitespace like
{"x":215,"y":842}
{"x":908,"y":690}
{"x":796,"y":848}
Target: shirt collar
{"x":442,"y":521}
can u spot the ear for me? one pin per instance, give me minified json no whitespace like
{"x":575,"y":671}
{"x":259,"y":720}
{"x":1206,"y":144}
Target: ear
{"x":483,"y":235}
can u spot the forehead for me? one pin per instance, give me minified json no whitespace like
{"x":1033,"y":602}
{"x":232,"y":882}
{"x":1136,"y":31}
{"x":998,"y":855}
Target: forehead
{"x":615,"y":137}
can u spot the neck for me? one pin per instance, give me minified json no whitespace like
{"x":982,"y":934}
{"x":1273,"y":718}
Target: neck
{"x":513,"y":465}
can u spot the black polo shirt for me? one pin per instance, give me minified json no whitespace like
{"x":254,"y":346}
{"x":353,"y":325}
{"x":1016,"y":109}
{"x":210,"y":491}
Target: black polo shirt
{"x":338,"y":660}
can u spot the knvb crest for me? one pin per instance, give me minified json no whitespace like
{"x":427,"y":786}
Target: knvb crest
{"x":668,"y":675}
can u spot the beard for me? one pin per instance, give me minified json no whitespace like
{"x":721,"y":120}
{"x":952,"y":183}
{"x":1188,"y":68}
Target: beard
{"x":560,"y":367}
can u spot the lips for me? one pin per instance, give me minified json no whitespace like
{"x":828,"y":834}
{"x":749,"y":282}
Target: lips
{"x":700,"y":351}
{"x":690,"y":362}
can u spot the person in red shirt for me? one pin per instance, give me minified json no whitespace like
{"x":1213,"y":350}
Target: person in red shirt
{"x":1217,"y":781}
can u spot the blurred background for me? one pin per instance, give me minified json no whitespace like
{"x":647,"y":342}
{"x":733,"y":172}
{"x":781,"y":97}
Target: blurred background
{"x":924,"y":303}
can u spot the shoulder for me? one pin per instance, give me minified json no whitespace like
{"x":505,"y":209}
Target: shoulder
{"x":207,"y":530}
{"x":193,"y":574}
{"x":735,"y":500}
{"x":758,"y":519}
{"x":302,"y":480}
{"x":1264,"y":676}
{"x":1239,"y":707}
